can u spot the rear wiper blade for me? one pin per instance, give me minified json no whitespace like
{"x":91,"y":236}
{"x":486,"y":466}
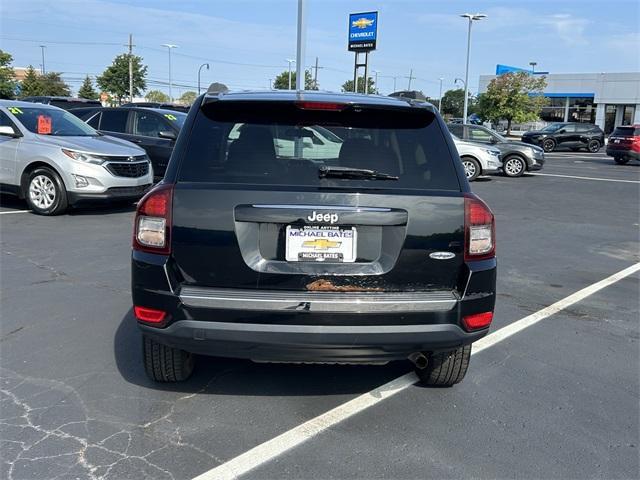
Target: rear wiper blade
{"x":350,"y":172}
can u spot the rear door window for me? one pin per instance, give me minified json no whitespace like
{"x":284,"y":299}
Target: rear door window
{"x":95,"y":121}
{"x":456,"y":129}
{"x":280,"y":144}
{"x":149,"y":124}
{"x":114,"y":121}
{"x":479,"y":135}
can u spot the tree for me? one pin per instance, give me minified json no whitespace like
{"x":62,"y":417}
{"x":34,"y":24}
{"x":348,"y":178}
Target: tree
{"x":115,"y":79}
{"x":282,"y":81}
{"x":514,"y":97}
{"x":157,"y":96}
{"x":51,"y":84}
{"x":371,"y":87}
{"x":188,"y":97}
{"x":30,"y":84}
{"x":7,"y":77}
{"x":86,"y":90}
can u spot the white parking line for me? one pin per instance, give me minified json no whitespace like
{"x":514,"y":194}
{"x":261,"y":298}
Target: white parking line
{"x":583,"y":178}
{"x":296,"y":436}
{"x":14,"y":211}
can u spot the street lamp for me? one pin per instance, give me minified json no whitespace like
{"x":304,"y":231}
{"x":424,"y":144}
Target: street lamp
{"x":471,"y":17}
{"x":376,"y":72}
{"x":169,"y":47}
{"x":42,"y":47}
{"x":440,"y":97}
{"x":533,"y":66}
{"x":199,"y":69}
{"x":290,"y":61}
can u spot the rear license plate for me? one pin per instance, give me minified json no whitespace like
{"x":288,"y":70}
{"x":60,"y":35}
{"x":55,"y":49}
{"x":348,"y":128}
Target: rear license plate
{"x":320,"y":244}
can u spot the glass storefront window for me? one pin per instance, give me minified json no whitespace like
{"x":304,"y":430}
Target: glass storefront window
{"x":582,"y":110}
{"x":609,"y":118}
{"x":627,"y":114}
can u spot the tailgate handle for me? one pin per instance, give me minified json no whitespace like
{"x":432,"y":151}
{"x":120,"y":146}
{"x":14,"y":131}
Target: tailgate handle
{"x":300,"y":214}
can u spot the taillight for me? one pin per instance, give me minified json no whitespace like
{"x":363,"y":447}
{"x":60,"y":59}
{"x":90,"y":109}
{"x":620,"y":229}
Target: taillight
{"x":480,"y":230}
{"x":635,"y":146}
{"x":149,"y":315}
{"x":477,"y":320}
{"x":152,"y":227}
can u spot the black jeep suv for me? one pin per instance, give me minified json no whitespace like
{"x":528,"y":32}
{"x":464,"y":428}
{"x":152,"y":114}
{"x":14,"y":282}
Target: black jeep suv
{"x":573,"y":136}
{"x":313,"y":227}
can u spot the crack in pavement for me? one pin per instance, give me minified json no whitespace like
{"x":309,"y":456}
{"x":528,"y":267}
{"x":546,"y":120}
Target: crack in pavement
{"x":36,"y":444}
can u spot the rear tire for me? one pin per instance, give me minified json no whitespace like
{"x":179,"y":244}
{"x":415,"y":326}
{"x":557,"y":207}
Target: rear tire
{"x":594,"y":146}
{"x":549,"y":145}
{"x":621,"y":160}
{"x":471,"y":168}
{"x":45,"y":192}
{"x":166,"y":364}
{"x":445,"y":369}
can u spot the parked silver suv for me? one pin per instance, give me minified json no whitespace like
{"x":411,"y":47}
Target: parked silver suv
{"x":53,"y":159}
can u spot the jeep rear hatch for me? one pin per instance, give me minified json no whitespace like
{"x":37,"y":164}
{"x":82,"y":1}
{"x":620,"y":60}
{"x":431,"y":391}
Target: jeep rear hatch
{"x":285,"y":195}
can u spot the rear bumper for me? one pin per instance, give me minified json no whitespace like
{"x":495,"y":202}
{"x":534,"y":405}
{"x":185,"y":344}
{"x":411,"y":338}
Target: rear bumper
{"x":310,"y":343}
{"x":623,"y":152}
{"x":304,"y":326}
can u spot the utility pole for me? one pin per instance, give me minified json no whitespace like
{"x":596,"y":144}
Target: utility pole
{"x":440,"y":97}
{"x":290,"y":61}
{"x":42,"y":47}
{"x":394,"y":83}
{"x":315,"y":75}
{"x":130,"y":68}
{"x":300,"y":52}
{"x":410,"y":77}
{"x":376,"y":72}
{"x":270,"y":84}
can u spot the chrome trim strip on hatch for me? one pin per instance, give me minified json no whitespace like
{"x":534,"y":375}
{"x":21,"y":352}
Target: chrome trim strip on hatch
{"x":326,"y":207}
{"x":326,"y":302}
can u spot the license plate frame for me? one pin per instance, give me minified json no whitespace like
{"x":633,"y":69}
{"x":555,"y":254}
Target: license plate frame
{"x":321,"y":243}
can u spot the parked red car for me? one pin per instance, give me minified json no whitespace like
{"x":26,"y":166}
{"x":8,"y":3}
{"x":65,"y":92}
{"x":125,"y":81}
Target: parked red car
{"x":624,"y":144}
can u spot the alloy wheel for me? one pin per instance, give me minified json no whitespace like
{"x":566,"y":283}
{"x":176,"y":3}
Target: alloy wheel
{"x":42,"y":192}
{"x":469,"y":168}
{"x":513,"y":167}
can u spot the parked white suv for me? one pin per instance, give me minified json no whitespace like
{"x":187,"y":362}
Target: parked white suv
{"x":477,"y":159}
{"x":53,"y":159}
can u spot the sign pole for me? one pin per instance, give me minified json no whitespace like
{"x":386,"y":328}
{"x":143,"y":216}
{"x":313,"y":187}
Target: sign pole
{"x":355,"y":73}
{"x":366,"y":72}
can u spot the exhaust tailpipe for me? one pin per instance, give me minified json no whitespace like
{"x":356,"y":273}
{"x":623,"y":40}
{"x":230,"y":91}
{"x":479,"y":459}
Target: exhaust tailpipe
{"x":419,"y":360}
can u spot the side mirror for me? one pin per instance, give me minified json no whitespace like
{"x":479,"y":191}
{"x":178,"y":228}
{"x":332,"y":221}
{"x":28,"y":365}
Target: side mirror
{"x":168,"y":134}
{"x":493,"y":140}
{"x":9,"y":131}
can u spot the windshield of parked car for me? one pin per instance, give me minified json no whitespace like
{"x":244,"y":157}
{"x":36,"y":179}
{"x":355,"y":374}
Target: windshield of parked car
{"x":277,"y":143}
{"x":552,"y":128}
{"x":51,"y":122}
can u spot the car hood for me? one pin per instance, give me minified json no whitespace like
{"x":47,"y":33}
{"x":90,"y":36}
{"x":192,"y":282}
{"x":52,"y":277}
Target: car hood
{"x":99,"y":145}
{"x":516,"y":144}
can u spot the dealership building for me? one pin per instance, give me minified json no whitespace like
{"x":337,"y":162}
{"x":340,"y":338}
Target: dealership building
{"x":606,"y":99}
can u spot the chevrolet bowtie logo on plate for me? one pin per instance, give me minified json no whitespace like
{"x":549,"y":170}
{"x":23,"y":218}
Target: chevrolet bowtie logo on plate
{"x":362,"y":23}
{"x":321,"y":244}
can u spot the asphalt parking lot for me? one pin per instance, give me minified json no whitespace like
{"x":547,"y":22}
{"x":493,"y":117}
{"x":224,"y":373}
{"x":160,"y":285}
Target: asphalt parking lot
{"x":557,"y":399}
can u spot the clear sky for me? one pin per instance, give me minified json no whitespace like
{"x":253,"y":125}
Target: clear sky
{"x":247,"y":41}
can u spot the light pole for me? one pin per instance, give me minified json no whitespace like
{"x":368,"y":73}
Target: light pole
{"x":199,"y":69}
{"x":533,"y":66}
{"x":440,"y":97}
{"x":471,"y":17}
{"x":290,"y":61}
{"x":376,"y":72}
{"x":394,"y":83}
{"x":42,"y":47}
{"x":169,"y":47}
{"x":301,"y":47}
